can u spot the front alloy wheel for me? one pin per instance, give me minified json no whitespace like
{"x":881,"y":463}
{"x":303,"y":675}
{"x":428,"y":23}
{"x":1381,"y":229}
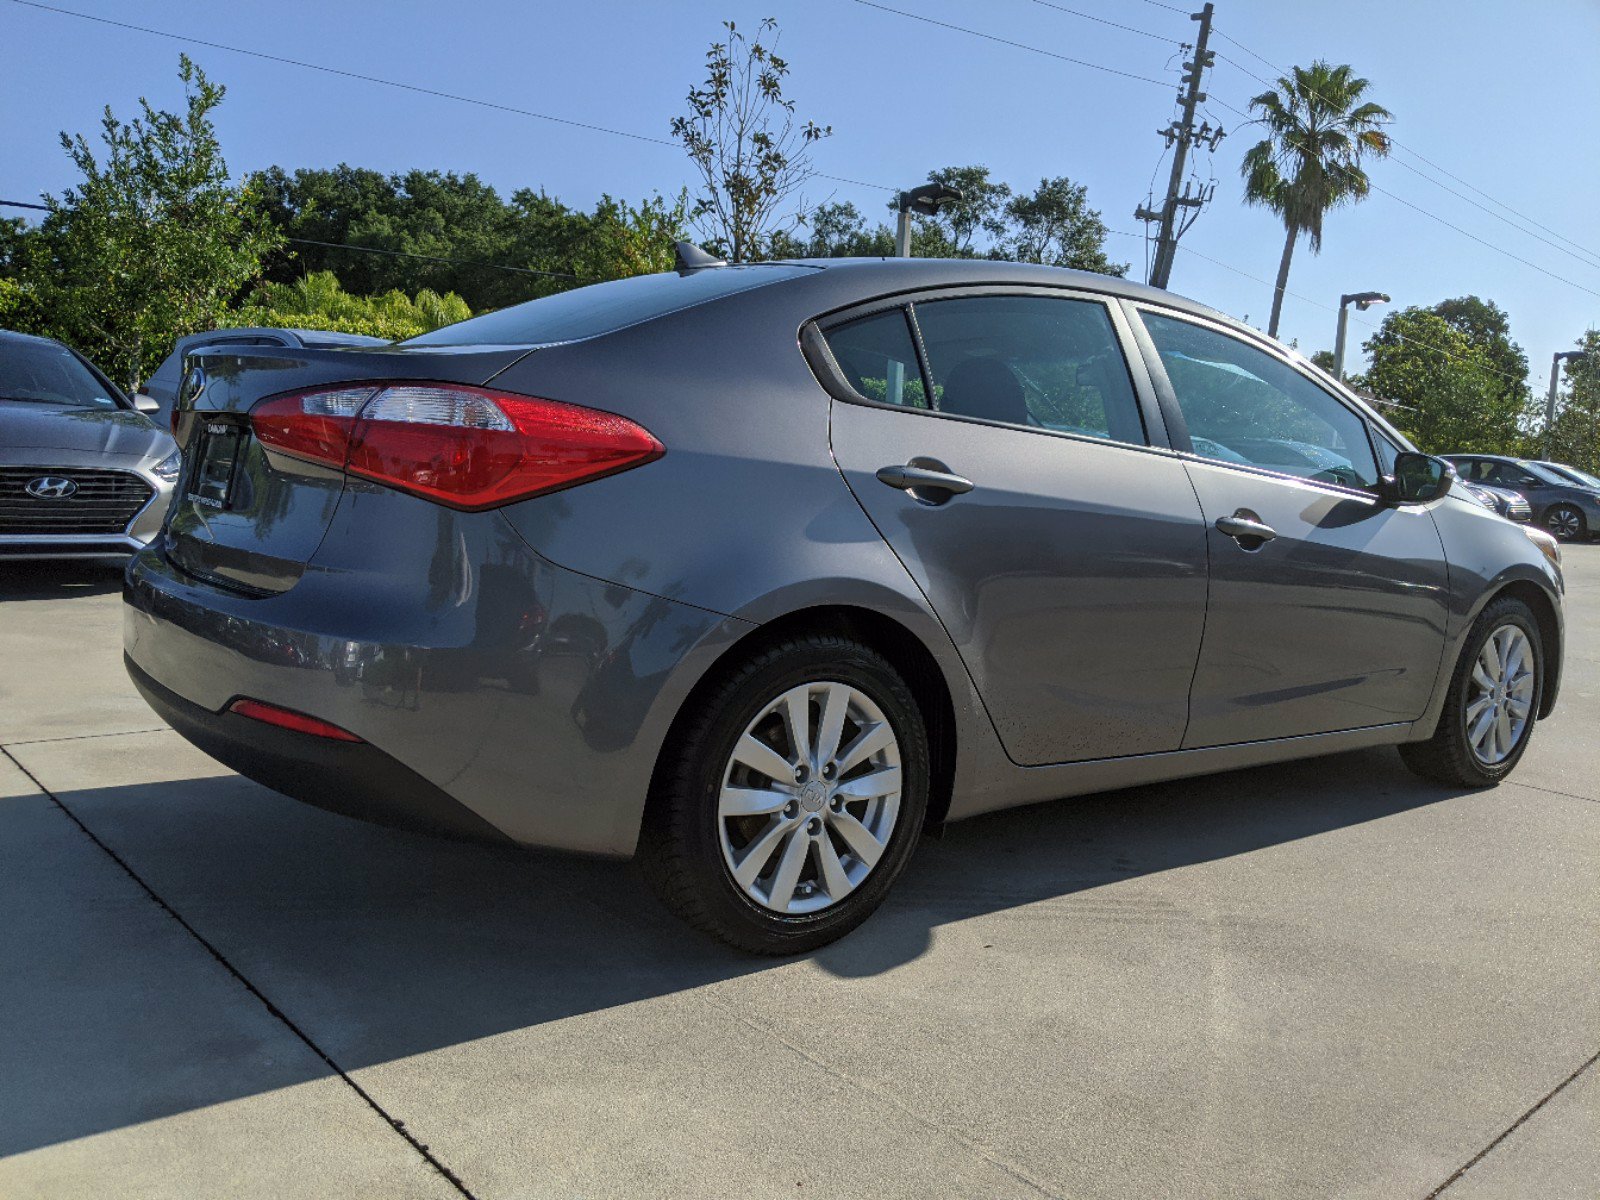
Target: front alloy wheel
{"x":1500,"y":695}
{"x":1493,"y":698}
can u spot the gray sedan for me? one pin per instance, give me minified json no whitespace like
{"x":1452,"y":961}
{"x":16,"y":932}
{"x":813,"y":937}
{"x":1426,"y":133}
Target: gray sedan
{"x":758,"y":572}
{"x":84,"y":473}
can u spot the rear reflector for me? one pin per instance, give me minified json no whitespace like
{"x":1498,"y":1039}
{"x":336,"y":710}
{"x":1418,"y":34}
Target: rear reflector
{"x":286,"y":718}
{"x":464,"y":447}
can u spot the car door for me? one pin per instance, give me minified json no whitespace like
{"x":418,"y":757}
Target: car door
{"x":1008,"y":466}
{"x":1327,"y":606}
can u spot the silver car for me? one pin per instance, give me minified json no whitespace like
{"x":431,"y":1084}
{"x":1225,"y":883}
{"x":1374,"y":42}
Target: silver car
{"x":757,"y":572}
{"x":84,"y":473}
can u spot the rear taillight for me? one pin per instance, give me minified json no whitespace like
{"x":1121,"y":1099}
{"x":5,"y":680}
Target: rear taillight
{"x":465,"y":447}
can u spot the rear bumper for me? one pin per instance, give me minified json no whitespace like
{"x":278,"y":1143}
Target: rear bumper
{"x":479,"y":676}
{"x":351,"y":778}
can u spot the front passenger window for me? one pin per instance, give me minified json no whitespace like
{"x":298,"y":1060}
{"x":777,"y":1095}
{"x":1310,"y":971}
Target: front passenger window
{"x":1242,"y":405}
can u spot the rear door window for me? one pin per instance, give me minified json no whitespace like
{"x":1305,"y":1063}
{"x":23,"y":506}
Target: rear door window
{"x":1038,"y":362}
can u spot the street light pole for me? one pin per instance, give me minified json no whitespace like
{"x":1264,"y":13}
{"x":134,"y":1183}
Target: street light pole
{"x":1550,"y":399}
{"x":926,"y":200}
{"x":1363,"y":301}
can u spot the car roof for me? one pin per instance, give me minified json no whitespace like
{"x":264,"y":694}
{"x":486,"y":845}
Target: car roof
{"x":892,"y":274}
{"x":11,"y":335}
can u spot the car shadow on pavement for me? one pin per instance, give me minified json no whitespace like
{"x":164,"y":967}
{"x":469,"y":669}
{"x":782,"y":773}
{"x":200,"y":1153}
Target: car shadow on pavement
{"x":62,"y":579}
{"x":380,"y":944}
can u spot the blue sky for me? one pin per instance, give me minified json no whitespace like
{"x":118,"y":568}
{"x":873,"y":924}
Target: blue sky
{"x":1505,"y":96}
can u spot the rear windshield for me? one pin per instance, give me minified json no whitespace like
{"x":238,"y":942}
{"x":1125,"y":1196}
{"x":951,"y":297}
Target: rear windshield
{"x":602,"y":307}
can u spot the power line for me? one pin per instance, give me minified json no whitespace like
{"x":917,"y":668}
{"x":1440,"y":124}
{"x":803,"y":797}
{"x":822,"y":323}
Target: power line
{"x":460,"y":262}
{"x":1399,"y":145}
{"x":989,"y":37}
{"x":1072,"y":12}
{"x":1431,"y":215}
{"x":1334,"y":309}
{"x":392,"y":83}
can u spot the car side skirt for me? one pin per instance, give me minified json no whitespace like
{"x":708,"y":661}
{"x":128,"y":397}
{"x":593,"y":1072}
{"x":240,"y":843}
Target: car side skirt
{"x":1030,"y":785}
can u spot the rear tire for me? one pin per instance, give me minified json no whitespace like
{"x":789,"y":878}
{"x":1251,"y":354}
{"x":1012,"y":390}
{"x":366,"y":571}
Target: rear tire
{"x":1453,"y":755}
{"x":787,"y":860}
{"x":1566,"y":523}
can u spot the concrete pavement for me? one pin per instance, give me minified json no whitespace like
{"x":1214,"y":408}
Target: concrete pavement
{"x":1325,"y":978}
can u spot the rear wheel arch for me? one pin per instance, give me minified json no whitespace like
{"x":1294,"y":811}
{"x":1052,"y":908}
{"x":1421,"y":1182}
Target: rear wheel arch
{"x":903,"y":649}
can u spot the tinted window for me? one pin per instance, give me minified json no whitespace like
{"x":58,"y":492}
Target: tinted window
{"x":602,"y":307}
{"x":877,"y":356}
{"x":1033,"y":361}
{"x":1242,"y":404}
{"x":1507,"y":475}
{"x":46,"y":373}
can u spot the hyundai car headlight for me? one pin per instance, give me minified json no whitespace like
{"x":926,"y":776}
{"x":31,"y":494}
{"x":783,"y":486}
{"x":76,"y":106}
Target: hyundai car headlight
{"x":1548,"y":546}
{"x":168,"y":468}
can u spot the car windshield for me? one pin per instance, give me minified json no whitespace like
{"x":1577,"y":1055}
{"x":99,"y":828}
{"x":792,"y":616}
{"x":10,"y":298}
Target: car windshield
{"x":47,"y":373}
{"x":602,"y":307}
{"x":1542,"y":472}
{"x":1582,"y":478}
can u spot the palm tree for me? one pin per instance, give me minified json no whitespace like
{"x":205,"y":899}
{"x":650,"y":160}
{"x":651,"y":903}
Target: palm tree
{"x":1318,"y":130}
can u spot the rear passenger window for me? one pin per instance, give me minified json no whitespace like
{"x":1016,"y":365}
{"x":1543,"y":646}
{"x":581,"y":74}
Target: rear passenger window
{"x":879,"y":359}
{"x":1032,"y":361}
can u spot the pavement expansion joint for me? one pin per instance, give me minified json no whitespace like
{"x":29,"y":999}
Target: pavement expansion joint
{"x":278,"y":1014}
{"x":1514,"y":1126}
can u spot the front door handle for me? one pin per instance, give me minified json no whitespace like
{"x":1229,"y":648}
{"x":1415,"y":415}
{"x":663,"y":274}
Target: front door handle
{"x":1243,"y":529}
{"x":910,"y":477}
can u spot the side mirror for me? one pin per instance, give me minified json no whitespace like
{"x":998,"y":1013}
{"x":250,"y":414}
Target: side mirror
{"x":1417,"y":478}
{"x":145,"y":403}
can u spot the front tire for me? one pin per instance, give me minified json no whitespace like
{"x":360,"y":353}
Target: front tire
{"x":1566,"y":523}
{"x":790,"y":798}
{"x":1492,"y":703}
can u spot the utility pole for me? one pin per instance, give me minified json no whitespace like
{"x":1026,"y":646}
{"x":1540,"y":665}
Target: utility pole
{"x":1550,"y":400}
{"x":1181,"y":134}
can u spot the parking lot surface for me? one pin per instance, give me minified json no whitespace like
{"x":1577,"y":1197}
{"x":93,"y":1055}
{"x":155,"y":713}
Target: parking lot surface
{"x":1323,"y":978}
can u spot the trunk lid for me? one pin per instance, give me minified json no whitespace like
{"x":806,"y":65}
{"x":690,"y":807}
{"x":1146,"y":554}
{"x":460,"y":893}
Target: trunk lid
{"x":248,"y":519}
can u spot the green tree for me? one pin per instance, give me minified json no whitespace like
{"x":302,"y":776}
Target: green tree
{"x":1486,"y":325}
{"x":1323,"y":359}
{"x":1450,"y":394}
{"x":741,"y":134}
{"x":1576,"y":437}
{"x":154,"y":242}
{"x":1054,"y":225}
{"x":317,"y":301}
{"x":1318,"y":132}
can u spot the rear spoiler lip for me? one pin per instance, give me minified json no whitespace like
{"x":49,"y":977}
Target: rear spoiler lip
{"x":261,"y":371}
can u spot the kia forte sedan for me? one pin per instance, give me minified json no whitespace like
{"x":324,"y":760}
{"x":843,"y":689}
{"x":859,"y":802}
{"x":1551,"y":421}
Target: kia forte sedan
{"x":758,"y":572}
{"x":84,"y":472}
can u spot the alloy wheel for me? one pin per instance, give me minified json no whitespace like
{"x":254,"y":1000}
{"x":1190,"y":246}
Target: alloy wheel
{"x":1500,"y":695}
{"x":809,"y":798}
{"x":1565,"y":523}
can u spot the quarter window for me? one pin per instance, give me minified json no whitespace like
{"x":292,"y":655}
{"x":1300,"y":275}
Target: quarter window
{"x":879,"y":359}
{"x":1033,"y":361}
{"x":1242,"y":405}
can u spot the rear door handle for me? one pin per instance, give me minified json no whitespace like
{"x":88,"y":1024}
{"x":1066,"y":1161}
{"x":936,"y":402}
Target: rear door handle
{"x":1242,"y":528}
{"x":908,"y":477}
